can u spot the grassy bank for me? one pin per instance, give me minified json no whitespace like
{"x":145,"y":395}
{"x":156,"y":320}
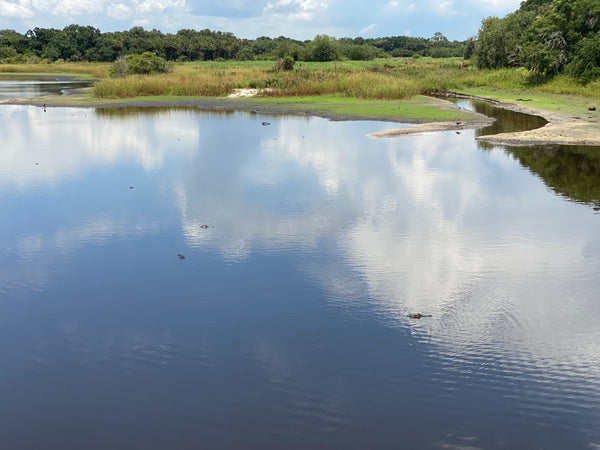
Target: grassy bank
{"x":386,"y":79}
{"x":80,"y":70}
{"x":333,"y":88}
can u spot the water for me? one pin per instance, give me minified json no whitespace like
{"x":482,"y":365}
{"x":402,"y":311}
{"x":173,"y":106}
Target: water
{"x":306,"y":244}
{"x":31,"y":86}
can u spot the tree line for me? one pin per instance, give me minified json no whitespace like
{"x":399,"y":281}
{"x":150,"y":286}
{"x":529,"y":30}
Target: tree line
{"x":548,"y":37}
{"x":86,"y":43}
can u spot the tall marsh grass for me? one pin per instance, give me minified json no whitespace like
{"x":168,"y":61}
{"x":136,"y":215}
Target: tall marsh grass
{"x":386,"y":79}
{"x":91,"y":70}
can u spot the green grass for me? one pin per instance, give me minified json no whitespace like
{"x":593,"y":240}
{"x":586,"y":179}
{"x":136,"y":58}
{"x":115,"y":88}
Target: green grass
{"x":372,"y":88}
{"x":573,"y":105}
{"x":417,"y":108}
{"x":80,"y":70}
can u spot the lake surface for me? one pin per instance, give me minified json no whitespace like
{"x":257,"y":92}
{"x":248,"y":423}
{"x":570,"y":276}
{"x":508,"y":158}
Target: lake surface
{"x":177,"y":278}
{"x":31,"y":86}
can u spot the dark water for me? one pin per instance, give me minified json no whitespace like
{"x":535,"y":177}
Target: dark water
{"x":306,"y":244}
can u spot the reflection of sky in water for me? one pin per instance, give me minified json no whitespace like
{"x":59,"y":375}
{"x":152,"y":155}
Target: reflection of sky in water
{"x":428,"y":224}
{"x":12,"y":88}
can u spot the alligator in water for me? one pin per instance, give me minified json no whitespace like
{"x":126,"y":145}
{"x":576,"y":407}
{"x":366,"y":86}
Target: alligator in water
{"x":417,"y":315}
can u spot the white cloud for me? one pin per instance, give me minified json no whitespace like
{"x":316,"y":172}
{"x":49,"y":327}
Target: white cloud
{"x":298,"y":19}
{"x":150,"y":6}
{"x":399,"y":7}
{"x":18,"y":10}
{"x":445,"y":8}
{"x":119,"y":11}
{"x":296,"y":9}
{"x":367,"y":30}
{"x":77,"y":7}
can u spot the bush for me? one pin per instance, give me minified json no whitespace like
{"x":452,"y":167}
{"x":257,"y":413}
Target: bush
{"x":145,"y":64}
{"x":585,"y":67}
{"x":362,"y":53}
{"x":286,"y":63}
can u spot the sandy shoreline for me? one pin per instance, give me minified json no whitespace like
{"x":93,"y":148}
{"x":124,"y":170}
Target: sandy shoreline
{"x":561,"y":129}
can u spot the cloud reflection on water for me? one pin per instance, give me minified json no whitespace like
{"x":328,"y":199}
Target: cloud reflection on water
{"x":427,"y":224}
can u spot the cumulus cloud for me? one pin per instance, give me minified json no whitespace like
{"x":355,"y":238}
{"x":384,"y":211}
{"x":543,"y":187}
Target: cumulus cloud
{"x":295,"y":9}
{"x":150,"y":6}
{"x":118,"y":11}
{"x":298,"y":19}
{"x":15,"y":10}
{"x":26,"y":9}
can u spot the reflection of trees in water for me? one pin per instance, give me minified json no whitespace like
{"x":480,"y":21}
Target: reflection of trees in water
{"x":150,"y":110}
{"x":506,"y":121}
{"x":570,"y":171}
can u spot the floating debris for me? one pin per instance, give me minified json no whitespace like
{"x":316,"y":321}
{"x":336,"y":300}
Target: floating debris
{"x":264,"y":124}
{"x":180,"y":256}
{"x":204,"y":227}
{"x":417,"y":315}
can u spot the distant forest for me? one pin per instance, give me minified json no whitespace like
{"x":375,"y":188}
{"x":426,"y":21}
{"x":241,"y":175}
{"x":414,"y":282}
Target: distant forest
{"x":86,"y":43}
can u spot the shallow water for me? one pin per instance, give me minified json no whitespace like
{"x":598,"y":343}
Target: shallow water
{"x":306,"y":245}
{"x":19,"y":87}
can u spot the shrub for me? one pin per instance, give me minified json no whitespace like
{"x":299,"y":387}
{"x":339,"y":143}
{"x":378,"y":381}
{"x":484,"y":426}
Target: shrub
{"x":145,"y":64}
{"x":286,"y":63}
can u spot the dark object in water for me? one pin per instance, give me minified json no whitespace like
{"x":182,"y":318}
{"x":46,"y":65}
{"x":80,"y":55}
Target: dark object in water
{"x":204,"y":227}
{"x":130,"y":187}
{"x":593,"y":108}
{"x":264,"y":124}
{"x":180,"y":256}
{"x":417,"y":315}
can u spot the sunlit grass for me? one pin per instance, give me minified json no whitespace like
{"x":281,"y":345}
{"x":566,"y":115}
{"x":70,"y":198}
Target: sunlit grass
{"x":82,"y":70}
{"x":381,"y":79}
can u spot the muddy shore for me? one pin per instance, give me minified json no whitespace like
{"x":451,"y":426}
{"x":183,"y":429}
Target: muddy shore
{"x":561,"y":128}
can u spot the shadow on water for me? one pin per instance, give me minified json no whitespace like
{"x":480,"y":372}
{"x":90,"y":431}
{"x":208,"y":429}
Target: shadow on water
{"x":573,"y":172}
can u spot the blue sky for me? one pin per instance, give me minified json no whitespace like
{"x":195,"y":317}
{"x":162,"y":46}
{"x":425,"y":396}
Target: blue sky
{"x":298,"y":19}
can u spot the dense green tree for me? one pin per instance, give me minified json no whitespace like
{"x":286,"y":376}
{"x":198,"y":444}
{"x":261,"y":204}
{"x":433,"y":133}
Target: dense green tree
{"x":546,"y":36}
{"x":86,"y":43}
{"x":321,"y":48}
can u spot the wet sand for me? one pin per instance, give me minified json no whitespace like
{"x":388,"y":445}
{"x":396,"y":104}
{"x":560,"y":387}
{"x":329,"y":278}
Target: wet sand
{"x":561,"y":129}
